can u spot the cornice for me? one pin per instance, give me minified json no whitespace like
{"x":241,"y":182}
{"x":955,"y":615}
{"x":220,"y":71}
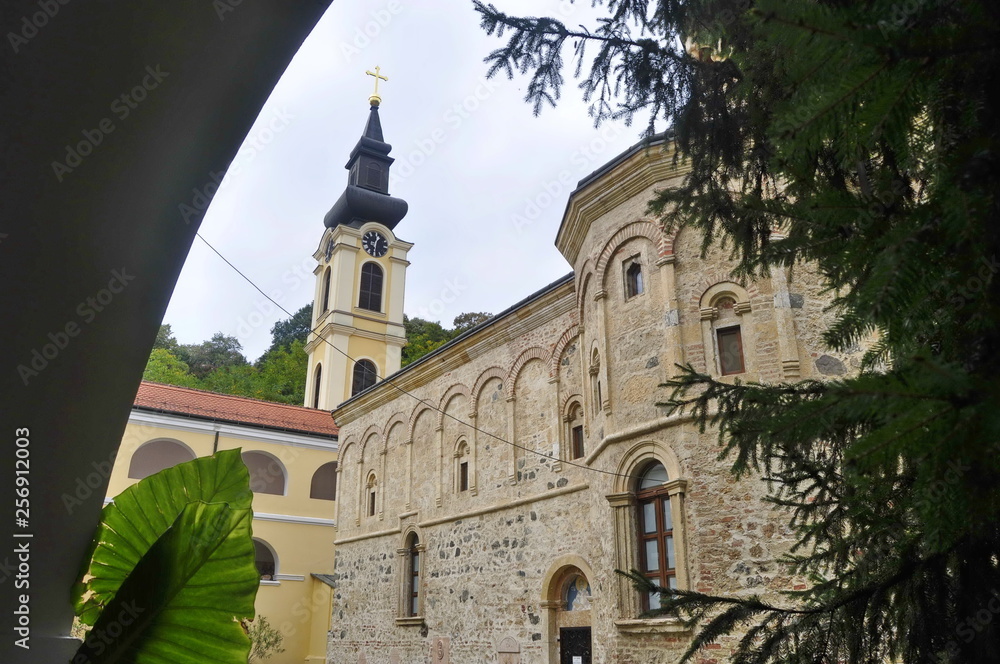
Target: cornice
{"x":549,"y":306}
{"x":643,"y":169}
{"x":195,"y":424}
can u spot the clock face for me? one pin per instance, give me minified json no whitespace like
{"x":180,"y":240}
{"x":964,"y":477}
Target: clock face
{"x":374,"y":243}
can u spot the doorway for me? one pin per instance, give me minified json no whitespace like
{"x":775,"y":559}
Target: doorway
{"x":574,"y":645}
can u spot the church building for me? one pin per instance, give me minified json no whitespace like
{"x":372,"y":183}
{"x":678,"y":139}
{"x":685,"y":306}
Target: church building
{"x":489,"y":491}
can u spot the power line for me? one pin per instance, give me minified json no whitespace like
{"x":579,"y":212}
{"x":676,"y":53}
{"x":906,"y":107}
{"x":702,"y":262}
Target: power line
{"x":392,"y":383}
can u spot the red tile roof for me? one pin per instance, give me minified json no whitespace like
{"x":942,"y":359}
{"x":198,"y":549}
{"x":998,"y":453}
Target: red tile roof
{"x":238,"y":410}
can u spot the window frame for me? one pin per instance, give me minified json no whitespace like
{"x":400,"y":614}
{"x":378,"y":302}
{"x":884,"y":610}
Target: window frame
{"x":660,"y":498}
{"x":370,"y":297}
{"x":632,"y":278}
{"x":328,"y":277}
{"x":371,"y":495}
{"x":576,"y":442}
{"x":363,"y":364}
{"x":728,"y":331}
{"x":411,"y":591}
{"x":317,"y":384}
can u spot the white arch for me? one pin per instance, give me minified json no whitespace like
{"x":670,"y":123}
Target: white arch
{"x":155,"y":455}
{"x":267,"y":475}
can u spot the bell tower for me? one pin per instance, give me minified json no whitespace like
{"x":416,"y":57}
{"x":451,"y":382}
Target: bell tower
{"x":360,"y":277}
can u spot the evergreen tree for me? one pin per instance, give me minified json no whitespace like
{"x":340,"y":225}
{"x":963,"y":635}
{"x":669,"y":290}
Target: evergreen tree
{"x":860,"y":139}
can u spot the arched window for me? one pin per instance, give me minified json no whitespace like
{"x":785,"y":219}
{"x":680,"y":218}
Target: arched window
{"x":371,"y":490}
{"x":576,"y":443}
{"x":411,"y":585}
{"x":267,"y":475}
{"x":266,"y":560}
{"x":324,"y":482}
{"x":633,"y":278}
{"x":365,"y":376}
{"x":729,"y":339}
{"x":317,"y":382}
{"x":657,"y":559}
{"x":462,"y":469}
{"x":326,"y":291}
{"x":157,"y":455}
{"x":371,"y":287}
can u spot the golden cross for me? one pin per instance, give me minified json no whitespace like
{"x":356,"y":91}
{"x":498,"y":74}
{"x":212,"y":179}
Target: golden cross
{"x":375,"y":99}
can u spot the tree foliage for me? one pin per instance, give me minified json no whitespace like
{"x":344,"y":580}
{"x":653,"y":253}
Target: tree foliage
{"x":278,"y":375}
{"x":424,"y":336}
{"x":861,"y":139}
{"x":265,"y":640}
{"x":467,"y":321}
{"x":284,"y":332}
{"x":220,"y":351}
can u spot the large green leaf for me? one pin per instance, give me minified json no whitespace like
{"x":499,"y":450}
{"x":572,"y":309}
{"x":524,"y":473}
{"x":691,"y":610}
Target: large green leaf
{"x":183,"y":602}
{"x":143,"y":512}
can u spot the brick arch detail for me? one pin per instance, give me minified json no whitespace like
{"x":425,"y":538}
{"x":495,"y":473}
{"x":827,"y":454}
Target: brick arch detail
{"x":567,"y":401}
{"x":586,"y":275}
{"x":414,"y":416}
{"x":397,"y":418}
{"x":458,"y":389}
{"x":720,"y":277}
{"x":484,"y":377}
{"x":641,"y":228}
{"x":370,"y":433}
{"x":571,"y":333}
{"x":349,"y":443}
{"x":535,"y":353}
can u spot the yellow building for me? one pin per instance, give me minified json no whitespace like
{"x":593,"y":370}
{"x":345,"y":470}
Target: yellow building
{"x":360,"y":277}
{"x":291,"y":451}
{"x":291,"y":454}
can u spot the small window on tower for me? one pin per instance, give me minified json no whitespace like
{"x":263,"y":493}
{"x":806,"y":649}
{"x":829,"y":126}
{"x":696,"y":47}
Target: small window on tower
{"x":365,"y":376}
{"x":371,"y":287}
{"x":326,"y":291}
{"x":317,"y":383}
{"x":373,"y":176}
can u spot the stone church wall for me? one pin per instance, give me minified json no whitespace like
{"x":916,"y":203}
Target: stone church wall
{"x":494,"y":557}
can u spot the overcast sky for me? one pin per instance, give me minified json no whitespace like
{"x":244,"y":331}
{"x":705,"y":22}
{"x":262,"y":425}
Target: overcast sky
{"x":485,"y":180}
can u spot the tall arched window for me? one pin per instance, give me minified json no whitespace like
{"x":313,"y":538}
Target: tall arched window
{"x":324,"y":482}
{"x":412,"y":593}
{"x":657,"y":558}
{"x":326,"y":292}
{"x":575,"y":422}
{"x":267,"y":562}
{"x":372,"y":489}
{"x":317,"y":382}
{"x":365,"y":376}
{"x":157,"y":455}
{"x":462,"y":469}
{"x":267,"y":475}
{"x":371,"y":287}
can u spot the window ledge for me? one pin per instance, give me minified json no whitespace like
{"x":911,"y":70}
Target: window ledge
{"x":410,"y":621}
{"x":264,"y":582}
{"x":652,"y":626}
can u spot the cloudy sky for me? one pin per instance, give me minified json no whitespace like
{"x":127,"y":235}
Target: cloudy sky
{"x":484,"y":178}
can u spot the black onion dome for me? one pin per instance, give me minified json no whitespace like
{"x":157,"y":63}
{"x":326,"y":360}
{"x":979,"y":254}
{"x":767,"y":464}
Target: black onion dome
{"x":367,"y":195}
{"x":358,"y":205}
